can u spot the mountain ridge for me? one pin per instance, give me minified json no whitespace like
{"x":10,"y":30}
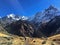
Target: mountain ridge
{"x":44,"y":24}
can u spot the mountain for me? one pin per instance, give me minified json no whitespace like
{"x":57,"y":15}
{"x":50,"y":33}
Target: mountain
{"x":41,"y":29}
{"x":50,"y":28}
{"x":16,"y":17}
{"x":11,"y":18}
{"x":2,"y":30}
{"x":21,"y":28}
{"x":47,"y":22}
{"x":46,"y":15}
{"x":43,"y":24}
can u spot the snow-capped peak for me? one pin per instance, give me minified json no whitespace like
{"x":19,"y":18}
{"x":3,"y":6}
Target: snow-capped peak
{"x":11,"y":16}
{"x":16,"y":17}
{"x":46,"y":15}
{"x":24,"y":18}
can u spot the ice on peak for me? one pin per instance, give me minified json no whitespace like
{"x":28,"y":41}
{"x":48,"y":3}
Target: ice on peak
{"x":11,"y":16}
{"x":24,"y":18}
{"x":15,"y":17}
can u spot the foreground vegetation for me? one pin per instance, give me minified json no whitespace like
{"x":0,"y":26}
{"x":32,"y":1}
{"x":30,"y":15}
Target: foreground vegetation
{"x":16,"y":40}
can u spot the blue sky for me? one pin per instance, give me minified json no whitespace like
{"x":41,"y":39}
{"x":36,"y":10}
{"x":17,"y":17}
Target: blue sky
{"x":25,"y":7}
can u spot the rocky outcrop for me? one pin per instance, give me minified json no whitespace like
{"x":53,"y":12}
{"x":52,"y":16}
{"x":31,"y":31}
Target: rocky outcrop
{"x":51,"y":27}
{"x":21,"y":28}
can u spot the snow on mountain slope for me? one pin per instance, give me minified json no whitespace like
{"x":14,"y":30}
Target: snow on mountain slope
{"x":11,"y":15}
{"x":24,"y":18}
{"x":46,"y":15}
{"x":11,"y":18}
{"x":15,"y":17}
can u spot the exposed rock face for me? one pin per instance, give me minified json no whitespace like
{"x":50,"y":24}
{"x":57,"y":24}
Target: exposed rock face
{"x":2,"y":30}
{"x":6,"y":20}
{"x":46,"y":15}
{"x":21,"y":28}
{"x":51,"y":27}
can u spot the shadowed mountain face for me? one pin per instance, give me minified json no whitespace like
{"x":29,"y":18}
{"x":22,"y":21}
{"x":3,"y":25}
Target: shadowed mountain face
{"x":21,"y":28}
{"x":51,"y":27}
{"x":25,"y":28}
{"x":2,"y":30}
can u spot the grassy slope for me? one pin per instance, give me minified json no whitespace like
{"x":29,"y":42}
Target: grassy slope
{"x":16,"y":40}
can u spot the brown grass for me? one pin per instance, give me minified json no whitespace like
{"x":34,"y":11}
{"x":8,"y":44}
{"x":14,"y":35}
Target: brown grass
{"x":16,"y":40}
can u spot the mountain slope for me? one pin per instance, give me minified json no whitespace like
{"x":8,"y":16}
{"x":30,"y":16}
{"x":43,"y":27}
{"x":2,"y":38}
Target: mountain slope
{"x":46,"y":15}
{"x":51,"y":27}
{"x":11,"y":18}
{"x":2,"y":30}
{"x":22,"y":28}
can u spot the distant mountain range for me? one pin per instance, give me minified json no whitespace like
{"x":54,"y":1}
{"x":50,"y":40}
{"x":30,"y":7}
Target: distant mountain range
{"x":11,"y":18}
{"x":43,"y":24}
